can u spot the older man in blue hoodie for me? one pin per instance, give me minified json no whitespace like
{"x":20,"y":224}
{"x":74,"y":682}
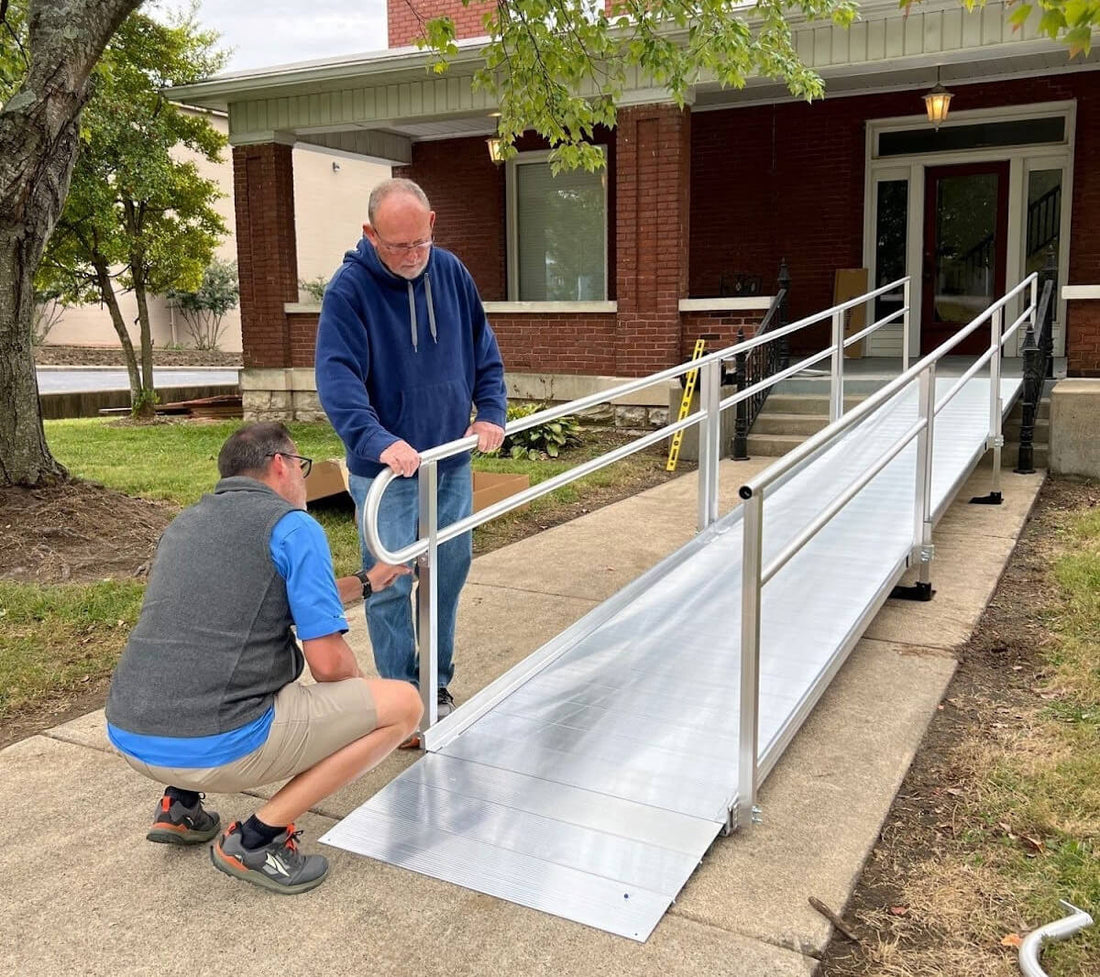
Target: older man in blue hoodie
{"x":404,"y":354}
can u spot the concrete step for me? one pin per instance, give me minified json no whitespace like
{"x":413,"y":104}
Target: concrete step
{"x":1043,"y":413}
{"x":772,"y":422}
{"x":803,"y":404}
{"x":773,"y":445}
{"x":1010,"y":454}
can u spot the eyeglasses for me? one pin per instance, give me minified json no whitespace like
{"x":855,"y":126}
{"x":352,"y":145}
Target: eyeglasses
{"x":403,"y":248}
{"x":304,"y":463}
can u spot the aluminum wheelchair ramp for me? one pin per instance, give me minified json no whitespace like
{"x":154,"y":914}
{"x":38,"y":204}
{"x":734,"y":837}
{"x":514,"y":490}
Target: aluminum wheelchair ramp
{"x":590,"y":780}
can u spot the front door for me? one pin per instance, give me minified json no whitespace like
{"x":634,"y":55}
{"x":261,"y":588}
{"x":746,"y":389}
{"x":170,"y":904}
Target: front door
{"x":965,"y":229}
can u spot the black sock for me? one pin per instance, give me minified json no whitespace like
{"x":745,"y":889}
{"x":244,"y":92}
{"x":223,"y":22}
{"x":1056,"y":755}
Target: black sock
{"x":188,"y":798}
{"x":256,"y":834}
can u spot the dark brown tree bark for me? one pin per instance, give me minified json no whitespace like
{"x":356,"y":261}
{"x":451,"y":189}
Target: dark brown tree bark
{"x":38,"y":144}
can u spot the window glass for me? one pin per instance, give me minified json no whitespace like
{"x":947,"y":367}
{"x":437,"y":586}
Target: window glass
{"x":561,"y":231}
{"x":985,"y":135}
{"x":891,"y":232}
{"x":1044,"y":217}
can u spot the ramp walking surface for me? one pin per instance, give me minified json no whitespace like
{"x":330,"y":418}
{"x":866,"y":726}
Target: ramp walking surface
{"x":85,"y":894}
{"x":594,"y":787}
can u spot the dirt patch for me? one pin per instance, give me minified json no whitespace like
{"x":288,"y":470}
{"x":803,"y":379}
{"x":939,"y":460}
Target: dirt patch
{"x":77,"y":532}
{"x":113,"y":356}
{"x":919,"y":908}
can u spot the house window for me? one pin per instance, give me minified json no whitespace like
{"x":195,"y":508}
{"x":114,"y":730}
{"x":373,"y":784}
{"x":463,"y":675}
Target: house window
{"x":558,"y":232}
{"x":891,"y":234}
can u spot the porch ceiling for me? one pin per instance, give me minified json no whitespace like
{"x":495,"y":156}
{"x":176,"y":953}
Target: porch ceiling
{"x":377,"y":105}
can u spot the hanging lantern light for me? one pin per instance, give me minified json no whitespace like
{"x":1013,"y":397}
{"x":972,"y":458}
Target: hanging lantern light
{"x":496,"y":148}
{"x":937,"y":100}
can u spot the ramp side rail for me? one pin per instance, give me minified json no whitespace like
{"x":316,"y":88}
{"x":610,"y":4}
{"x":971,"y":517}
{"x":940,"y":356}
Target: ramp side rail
{"x":425,"y":549}
{"x":755,"y":575}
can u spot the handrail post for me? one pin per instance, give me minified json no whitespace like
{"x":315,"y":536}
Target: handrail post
{"x":905,"y":325}
{"x":752,"y":526}
{"x":710,"y":436}
{"x":923,"y":548}
{"x":427,"y":595}
{"x":836,"y":379}
{"x":996,"y":401}
{"x":741,"y":417}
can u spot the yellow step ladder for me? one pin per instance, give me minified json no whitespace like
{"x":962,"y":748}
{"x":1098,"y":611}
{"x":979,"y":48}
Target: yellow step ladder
{"x":685,"y":406}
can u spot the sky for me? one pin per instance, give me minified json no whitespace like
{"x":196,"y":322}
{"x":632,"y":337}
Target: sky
{"x":283,"y":31}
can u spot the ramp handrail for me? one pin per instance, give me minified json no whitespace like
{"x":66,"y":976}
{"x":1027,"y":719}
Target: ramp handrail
{"x":424,"y":549}
{"x":754,"y":575}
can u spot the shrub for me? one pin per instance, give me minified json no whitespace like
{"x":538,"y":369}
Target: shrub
{"x":549,"y":438}
{"x":204,"y":310}
{"x":314,"y":288}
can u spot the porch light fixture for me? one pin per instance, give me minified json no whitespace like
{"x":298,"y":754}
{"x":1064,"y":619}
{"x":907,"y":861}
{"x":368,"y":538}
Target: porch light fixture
{"x":496,"y":148}
{"x":937,"y":100}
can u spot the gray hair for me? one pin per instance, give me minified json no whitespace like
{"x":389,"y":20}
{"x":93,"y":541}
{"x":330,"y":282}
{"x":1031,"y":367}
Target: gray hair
{"x":249,"y":449}
{"x":388,"y":187}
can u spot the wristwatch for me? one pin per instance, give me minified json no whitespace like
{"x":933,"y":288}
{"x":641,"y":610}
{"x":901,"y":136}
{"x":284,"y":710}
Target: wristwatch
{"x":361,"y":576}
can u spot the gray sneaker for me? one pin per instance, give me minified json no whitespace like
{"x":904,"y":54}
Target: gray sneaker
{"x":174,"y":824}
{"x":445,"y":704}
{"x":277,"y":866}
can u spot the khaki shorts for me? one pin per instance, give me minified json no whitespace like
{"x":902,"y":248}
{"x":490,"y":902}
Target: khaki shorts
{"x":311,"y":722}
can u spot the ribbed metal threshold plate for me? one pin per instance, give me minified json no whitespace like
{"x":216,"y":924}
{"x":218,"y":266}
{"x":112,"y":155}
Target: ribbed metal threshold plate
{"x":585,"y":856}
{"x":593,"y":784}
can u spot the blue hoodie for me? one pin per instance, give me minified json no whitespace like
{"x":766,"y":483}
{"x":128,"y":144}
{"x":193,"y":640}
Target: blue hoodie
{"x":402,"y":359}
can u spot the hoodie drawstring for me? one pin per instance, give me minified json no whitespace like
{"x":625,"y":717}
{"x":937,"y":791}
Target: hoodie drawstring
{"x":431,"y":305}
{"x":431,"y":312}
{"x":412,"y":316}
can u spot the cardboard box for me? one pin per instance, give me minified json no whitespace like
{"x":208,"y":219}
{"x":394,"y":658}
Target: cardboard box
{"x":330,"y":477}
{"x":490,"y":487}
{"x":850,"y":283}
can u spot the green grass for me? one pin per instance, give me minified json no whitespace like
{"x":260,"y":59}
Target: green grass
{"x":175,"y":462}
{"x":1047,"y":789}
{"x":54,"y":640}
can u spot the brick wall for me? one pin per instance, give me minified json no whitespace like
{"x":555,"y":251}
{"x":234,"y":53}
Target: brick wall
{"x":406,"y":18}
{"x":574,"y":343}
{"x":652,"y":178}
{"x":263,"y":193}
{"x":722,"y":326}
{"x":466,"y":190}
{"x":786,"y":180}
{"x":302,"y":329}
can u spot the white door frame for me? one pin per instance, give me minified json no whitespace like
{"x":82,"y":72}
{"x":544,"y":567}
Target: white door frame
{"x":1022,"y":160}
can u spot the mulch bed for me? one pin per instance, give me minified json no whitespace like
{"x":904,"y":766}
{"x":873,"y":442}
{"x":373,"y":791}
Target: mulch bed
{"x":112,"y":356}
{"x":77,"y":532}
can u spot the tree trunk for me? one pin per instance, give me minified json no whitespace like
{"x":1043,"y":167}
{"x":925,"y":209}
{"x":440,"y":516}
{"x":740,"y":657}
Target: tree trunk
{"x":107,"y":293}
{"x":38,"y":144}
{"x":145,"y":409}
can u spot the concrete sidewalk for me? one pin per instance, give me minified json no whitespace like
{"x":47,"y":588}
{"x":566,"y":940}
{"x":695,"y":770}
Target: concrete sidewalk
{"x":86,"y":894}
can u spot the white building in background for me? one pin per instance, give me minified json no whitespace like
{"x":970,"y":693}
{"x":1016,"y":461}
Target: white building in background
{"x":330,"y":194}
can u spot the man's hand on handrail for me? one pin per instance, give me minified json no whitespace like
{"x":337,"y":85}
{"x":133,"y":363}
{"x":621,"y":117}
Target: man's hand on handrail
{"x":402,"y":459}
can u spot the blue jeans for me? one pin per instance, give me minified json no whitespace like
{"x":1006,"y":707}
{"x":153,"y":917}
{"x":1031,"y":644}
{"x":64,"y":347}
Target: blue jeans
{"x":389,"y":612}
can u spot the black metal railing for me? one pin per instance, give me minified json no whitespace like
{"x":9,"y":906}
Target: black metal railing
{"x":1044,"y":219}
{"x":1038,"y":354}
{"x":760,"y":363}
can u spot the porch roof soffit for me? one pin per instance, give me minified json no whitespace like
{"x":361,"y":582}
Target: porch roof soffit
{"x":378,"y":104}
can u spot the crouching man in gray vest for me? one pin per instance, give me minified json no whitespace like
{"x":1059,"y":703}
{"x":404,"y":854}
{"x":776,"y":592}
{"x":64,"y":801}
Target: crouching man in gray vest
{"x":205,"y":695}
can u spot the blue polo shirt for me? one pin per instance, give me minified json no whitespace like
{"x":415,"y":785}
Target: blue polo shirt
{"x":300,"y":552}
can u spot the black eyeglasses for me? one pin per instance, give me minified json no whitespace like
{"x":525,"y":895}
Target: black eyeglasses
{"x":304,"y":463}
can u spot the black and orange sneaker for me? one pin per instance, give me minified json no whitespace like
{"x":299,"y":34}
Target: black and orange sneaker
{"x":175,"y":824}
{"x":277,"y":866}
